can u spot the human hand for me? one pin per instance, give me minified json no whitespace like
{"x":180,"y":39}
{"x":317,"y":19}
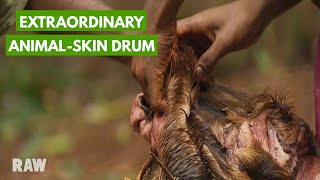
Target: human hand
{"x":218,"y":31}
{"x":150,"y":71}
{"x":150,"y":129}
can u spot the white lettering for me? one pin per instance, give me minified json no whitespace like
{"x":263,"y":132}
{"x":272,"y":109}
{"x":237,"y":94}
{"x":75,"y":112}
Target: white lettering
{"x":61,"y":22}
{"x":116,"y":45}
{"x":76,"y":43}
{"x":139,"y":20}
{"x":50,"y":21}
{"x":75,"y":24}
{"x":23,"y":22}
{"x":103,"y":46}
{"x":33,"y":22}
{"x":30,"y":165}
{"x":16,"y":165}
{"x":93,"y":22}
{"x":39,"y":165}
{"x":81,"y":22}
{"x":149,"y":47}
{"x":14,"y":46}
{"x":129,"y":22}
{"x":119,"y":22}
{"x":133,"y":45}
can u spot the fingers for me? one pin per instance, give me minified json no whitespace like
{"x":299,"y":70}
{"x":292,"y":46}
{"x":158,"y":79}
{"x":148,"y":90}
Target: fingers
{"x":195,"y":26}
{"x":155,"y":86}
{"x":145,"y":130}
{"x":138,"y":119}
{"x":150,"y":74}
{"x":184,"y":26}
{"x":191,"y":25}
{"x":137,"y":114}
{"x":210,"y":58}
{"x":149,"y":130}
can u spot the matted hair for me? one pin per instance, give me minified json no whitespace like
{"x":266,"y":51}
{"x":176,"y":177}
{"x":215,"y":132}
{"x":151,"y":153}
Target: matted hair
{"x":197,"y":114}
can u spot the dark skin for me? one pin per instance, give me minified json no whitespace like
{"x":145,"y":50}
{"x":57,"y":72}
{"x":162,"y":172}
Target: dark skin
{"x":229,"y":28}
{"x":218,"y":31}
{"x":212,"y":33}
{"x":149,"y":72}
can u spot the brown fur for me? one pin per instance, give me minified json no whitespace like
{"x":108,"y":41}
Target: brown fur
{"x":197,"y":114}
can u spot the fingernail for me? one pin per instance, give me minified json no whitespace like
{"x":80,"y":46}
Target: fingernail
{"x":199,"y":73}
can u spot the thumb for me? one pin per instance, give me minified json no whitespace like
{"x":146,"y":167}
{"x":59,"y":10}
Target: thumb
{"x":210,"y":58}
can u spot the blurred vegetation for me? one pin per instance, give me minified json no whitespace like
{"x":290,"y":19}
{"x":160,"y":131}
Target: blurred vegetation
{"x":74,"y":111}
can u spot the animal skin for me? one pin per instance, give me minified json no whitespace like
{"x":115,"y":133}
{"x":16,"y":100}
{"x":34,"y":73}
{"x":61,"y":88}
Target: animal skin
{"x":215,"y":132}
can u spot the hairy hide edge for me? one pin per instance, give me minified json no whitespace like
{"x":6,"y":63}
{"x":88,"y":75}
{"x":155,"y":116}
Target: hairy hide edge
{"x":197,"y":114}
